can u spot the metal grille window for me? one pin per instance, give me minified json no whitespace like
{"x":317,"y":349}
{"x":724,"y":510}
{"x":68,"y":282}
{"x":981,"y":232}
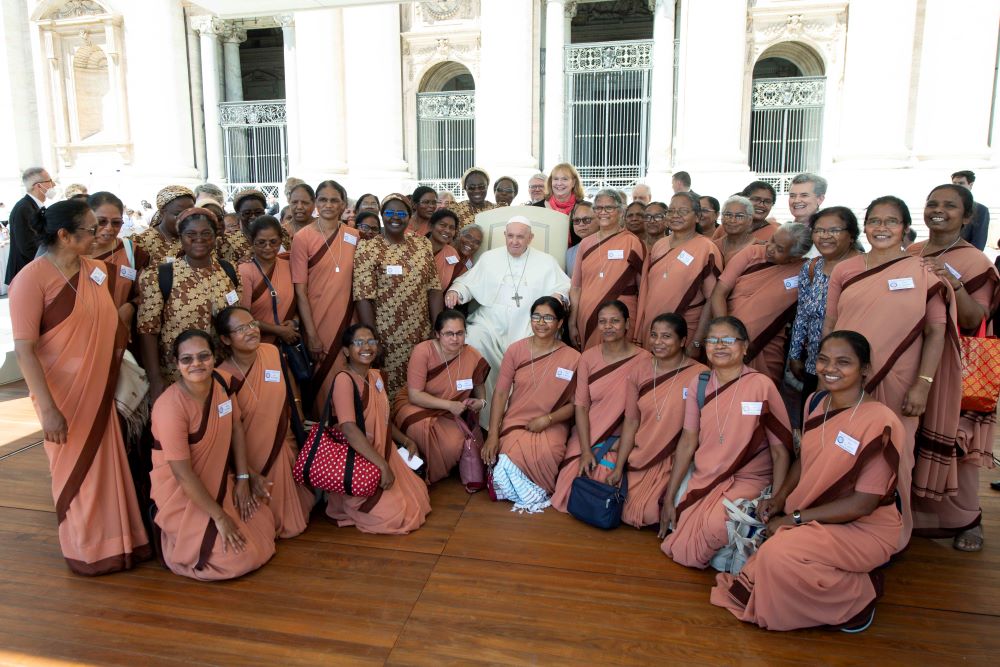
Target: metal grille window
{"x":607,"y":111}
{"x":255,"y":144}
{"x":446,"y":137}
{"x":786,"y":128}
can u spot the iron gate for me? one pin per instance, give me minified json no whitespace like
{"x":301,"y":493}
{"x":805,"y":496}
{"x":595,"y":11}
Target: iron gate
{"x":446,"y":138}
{"x":607,"y":111}
{"x":255,"y":145}
{"x":786,"y":128}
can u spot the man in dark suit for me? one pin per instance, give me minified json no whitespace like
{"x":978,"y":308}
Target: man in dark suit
{"x":23,"y":243}
{"x":976,"y":231}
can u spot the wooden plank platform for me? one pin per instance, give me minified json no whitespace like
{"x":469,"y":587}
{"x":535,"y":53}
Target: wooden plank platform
{"x":478,"y":584}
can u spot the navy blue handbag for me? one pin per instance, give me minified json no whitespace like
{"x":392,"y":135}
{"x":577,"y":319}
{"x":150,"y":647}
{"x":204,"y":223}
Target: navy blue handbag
{"x":597,"y":503}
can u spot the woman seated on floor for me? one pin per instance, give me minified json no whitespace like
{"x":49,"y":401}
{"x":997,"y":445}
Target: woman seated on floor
{"x":213,"y":526}
{"x":534,"y":399}
{"x":834,"y":520}
{"x":263,"y":391}
{"x":655,"y":395}
{"x":737,"y":435}
{"x":599,"y":402}
{"x":401,"y":504}
{"x":444,"y":384}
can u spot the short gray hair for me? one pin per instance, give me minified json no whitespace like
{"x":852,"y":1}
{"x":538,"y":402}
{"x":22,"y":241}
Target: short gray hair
{"x":28,"y":174}
{"x":801,"y":235}
{"x":474,"y":228}
{"x":613,"y":195}
{"x":212,"y":190}
{"x":819,"y":183}
{"x":742,"y":201}
{"x":538,"y":177}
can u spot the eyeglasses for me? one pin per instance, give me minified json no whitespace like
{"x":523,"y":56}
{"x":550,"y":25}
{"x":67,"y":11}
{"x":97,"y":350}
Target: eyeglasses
{"x":365,"y":227}
{"x":679,"y":211}
{"x":890,"y":223}
{"x":361,"y":342}
{"x":656,"y":217}
{"x":43,"y":182}
{"x":267,"y":243}
{"x":114,"y":222}
{"x":207,"y":235}
{"x":508,"y":191}
{"x":548,"y":319}
{"x":90,"y":230}
{"x":188,"y":359}
{"x":246,"y":328}
{"x":829,"y":231}
{"x":428,"y":202}
{"x":451,"y":334}
{"x":725,"y":341}
{"x":761,"y":200}
{"x":605,"y":209}
{"x":475,"y":188}
{"x":739,"y":217}
{"x":583,"y":221}
{"x":252,"y":213}
{"x":389,"y":215}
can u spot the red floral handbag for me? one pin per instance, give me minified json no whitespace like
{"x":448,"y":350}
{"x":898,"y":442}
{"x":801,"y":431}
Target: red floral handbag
{"x":980,"y":371}
{"x":327,"y":461}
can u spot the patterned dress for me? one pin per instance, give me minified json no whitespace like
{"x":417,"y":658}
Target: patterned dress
{"x":196,"y":296}
{"x":159,"y":249}
{"x":807,"y":330}
{"x":466,"y":214}
{"x":396,"y":279}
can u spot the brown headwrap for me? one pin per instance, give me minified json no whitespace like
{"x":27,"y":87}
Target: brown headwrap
{"x":395,"y":196}
{"x":249,"y":192}
{"x":193,"y":211}
{"x":170,"y":193}
{"x":475,"y":170}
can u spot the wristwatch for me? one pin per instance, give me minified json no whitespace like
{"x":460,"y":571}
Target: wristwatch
{"x":797,"y":517}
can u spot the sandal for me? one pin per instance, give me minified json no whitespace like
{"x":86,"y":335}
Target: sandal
{"x":969,"y":541}
{"x":862,"y":626}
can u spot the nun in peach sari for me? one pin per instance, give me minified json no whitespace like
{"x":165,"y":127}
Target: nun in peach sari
{"x":532,"y":410}
{"x":739,"y":442}
{"x":211,"y":506}
{"x":263,"y":392}
{"x":760,"y":287}
{"x":69,"y":343}
{"x":834,"y":520}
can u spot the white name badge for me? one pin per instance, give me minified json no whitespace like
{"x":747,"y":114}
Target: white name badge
{"x":451,"y":259}
{"x":379,"y":385}
{"x":272,"y":376}
{"x":792,"y":283}
{"x":463,"y":385}
{"x":616,"y":254}
{"x":684,"y":393}
{"x":170,"y":260}
{"x":394,"y":270}
{"x":847,"y":443}
{"x":225,"y":408}
{"x":350,"y":238}
{"x":468,"y":263}
{"x":900,"y":283}
{"x":564,"y":374}
{"x":413,"y":462}
{"x":232,"y":297}
{"x":953,"y":271}
{"x":98,"y":276}
{"x":685,"y":258}
{"x":752,"y":407}
{"x":128,"y":273}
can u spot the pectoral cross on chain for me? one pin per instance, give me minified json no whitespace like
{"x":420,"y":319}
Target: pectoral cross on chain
{"x":517,"y":299}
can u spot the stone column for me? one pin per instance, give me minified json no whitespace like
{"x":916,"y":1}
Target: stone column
{"x":709,"y":127}
{"x":503,"y":95}
{"x":661,"y":126}
{"x":209,"y":29}
{"x":555,"y":82}
{"x":319,"y":39}
{"x":287,"y":23}
{"x":231,"y":40}
{"x":197,"y":102}
{"x":375,"y":130}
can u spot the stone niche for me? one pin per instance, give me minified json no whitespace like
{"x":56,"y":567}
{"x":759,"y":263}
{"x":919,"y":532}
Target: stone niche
{"x":84,"y":79}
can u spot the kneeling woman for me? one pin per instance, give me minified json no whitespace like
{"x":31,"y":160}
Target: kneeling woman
{"x":738,"y":439}
{"x":534,"y":397}
{"x":600,"y":400}
{"x":401,"y":505}
{"x":212,"y":525}
{"x":655,"y":396}
{"x":265,"y":411}
{"x":444,"y":380}
{"x":834,"y":520}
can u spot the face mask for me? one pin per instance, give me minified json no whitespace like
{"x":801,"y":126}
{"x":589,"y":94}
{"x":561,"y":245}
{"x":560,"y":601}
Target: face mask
{"x":53,"y":194}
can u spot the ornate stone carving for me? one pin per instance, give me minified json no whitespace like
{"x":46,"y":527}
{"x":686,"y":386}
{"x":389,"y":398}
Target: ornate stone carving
{"x":446,"y":105}
{"x":626,"y":55}
{"x":285,"y":20}
{"x":823,"y":27}
{"x":234,"y":34}
{"x":570,"y":9}
{"x":430,"y":11}
{"x":422,"y":53}
{"x":789,"y":93}
{"x":252,"y":113}
{"x":74,"y":9}
{"x":208,"y":25}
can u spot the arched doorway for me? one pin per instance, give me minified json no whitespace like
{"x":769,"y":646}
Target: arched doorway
{"x":446,"y":126}
{"x":786,"y":122}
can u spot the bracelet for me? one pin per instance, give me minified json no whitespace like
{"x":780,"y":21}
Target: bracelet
{"x":927,"y":378}
{"x":961,"y":286}
{"x":244,"y":475}
{"x":298,"y":400}
{"x":550,"y":418}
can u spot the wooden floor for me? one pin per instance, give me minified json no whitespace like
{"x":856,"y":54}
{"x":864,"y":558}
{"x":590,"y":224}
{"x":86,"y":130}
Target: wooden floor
{"x":477,"y":584}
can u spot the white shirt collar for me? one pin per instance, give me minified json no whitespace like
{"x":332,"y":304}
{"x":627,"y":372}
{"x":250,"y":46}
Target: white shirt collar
{"x":37,"y":200}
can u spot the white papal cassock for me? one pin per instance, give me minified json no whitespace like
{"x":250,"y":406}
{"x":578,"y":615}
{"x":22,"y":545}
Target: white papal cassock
{"x":505,"y":287}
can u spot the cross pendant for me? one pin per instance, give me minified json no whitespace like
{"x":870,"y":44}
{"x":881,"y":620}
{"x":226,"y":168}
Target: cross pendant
{"x":517,"y":299}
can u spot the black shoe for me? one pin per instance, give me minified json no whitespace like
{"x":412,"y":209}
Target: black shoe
{"x":995,"y":485}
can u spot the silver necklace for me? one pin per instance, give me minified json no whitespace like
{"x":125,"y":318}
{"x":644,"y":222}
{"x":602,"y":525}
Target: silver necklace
{"x":721,"y":427}
{"x":56,"y":266}
{"x":510,"y":270}
{"x":657,"y":406}
{"x":822,"y":432}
